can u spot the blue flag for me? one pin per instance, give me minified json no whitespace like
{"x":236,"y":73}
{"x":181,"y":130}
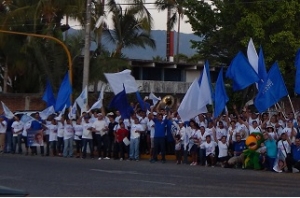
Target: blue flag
{"x":241,"y":72}
{"x":120,"y":103}
{"x":272,"y":90}
{"x":262,"y":72}
{"x":297,"y":78}
{"x":221,"y":97}
{"x":64,"y":93}
{"x":48,"y":96}
{"x":144,"y":105}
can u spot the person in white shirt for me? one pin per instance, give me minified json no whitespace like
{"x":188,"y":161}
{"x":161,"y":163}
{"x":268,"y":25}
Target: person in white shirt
{"x":143,"y":136}
{"x":284,"y":145}
{"x":200,"y":120}
{"x":135,"y":130}
{"x":209,"y":147}
{"x":202,"y":138}
{"x":52,"y":127}
{"x":3,"y":128}
{"x":100,"y":128}
{"x":151,"y":129}
{"x":47,"y":122}
{"x":26,"y":127}
{"x":17,"y":128}
{"x":194,"y":141}
{"x":68,"y":138}
{"x":87,"y":137}
{"x":78,"y":128}
{"x":289,"y":130}
{"x":221,"y":130}
{"x":60,"y":135}
{"x":223,"y":151}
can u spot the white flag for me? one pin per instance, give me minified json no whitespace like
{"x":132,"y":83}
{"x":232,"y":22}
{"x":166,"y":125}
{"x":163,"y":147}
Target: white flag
{"x":7,"y":113}
{"x":96,"y":105}
{"x":205,"y":95}
{"x":154,"y":98}
{"x":190,"y":106}
{"x":252,"y":55}
{"x":26,"y":118}
{"x":46,"y":112}
{"x":116,"y":81}
{"x":82,"y":99}
{"x":72,"y":113}
{"x":61,"y":113}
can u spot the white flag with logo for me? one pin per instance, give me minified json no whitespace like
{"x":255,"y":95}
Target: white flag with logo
{"x":82,"y":99}
{"x":116,"y":81}
{"x":46,"y":112}
{"x":73,"y":111}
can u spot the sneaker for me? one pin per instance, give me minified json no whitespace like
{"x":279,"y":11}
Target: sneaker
{"x":99,"y":158}
{"x":295,"y":170}
{"x":192,"y":164}
{"x":121,"y":159}
{"x":106,"y":158}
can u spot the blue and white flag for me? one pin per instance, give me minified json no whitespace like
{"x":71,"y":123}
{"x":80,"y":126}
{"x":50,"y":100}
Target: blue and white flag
{"x":252,"y":55}
{"x":262,"y":71}
{"x":46,"y":112}
{"x":64,"y":93}
{"x":241,"y":72}
{"x":272,"y":90}
{"x":120,"y":103}
{"x":297,"y":78}
{"x":154,"y":98}
{"x":143,"y":104}
{"x":73,"y":111}
{"x":7,"y":113}
{"x":221,"y":97}
{"x":48,"y":96}
{"x":26,"y":118}
{"x":82,"y":99}
{"x":61,"y":113}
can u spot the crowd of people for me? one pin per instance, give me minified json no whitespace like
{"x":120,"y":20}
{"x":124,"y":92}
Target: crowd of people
{"x":203,"y":141}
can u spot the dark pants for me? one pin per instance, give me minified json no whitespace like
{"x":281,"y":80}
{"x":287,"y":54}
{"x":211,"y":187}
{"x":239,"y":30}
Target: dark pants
{"x":17,"y":141}
{"x":296,"y":165}
{"x":143,"y":143}
{"x":53,"y":147}
{"x":159,"y":145}
{"x":78,"y":145}
{"x":269,"y":163}
{"x":211,"y":160}
{"x":60,"y":144}
{"x":110,"y":144}
{"x":202,"y":157}
{"x":8,"y":142}
{"x":91,"y":146}
{"x":34,"y":150}
{"x":178,"y":154}
{"x":102,"y":142}
{"x":170,"y":147}
{"x":120,"y":149}
{"x":185,"y":156}
{"x":46,"y":140}
{"x":24,"y":138}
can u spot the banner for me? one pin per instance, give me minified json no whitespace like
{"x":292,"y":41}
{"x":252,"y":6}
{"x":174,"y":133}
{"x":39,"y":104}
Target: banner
{"x":35,"y":138}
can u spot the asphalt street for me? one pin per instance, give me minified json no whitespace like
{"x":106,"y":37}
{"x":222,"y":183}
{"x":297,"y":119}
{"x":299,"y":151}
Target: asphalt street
{"x":55,"y":176}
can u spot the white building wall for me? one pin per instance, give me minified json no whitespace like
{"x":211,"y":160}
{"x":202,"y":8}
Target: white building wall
{"x":191,"y":75}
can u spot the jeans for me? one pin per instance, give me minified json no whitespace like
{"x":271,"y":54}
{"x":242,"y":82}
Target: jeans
{"x":78,"y":145}
{"x":46,"y":140}
{"x":185,"y":156}
{"x":53,"y":147}
{"x":159,"y":144}
{"x":102,"y":140}
{"x":60,"y":144}
{"x":134,"y":148}
{"x":91,"y":146}
{"x":269,"y":163}
{"x":17,"y":140}
{"x":202,"y":157}
{"x":8,"y":142}
{"x":68,"y":147}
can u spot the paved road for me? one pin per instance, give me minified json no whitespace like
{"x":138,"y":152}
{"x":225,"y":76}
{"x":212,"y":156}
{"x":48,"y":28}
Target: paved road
{"x":53,"y":176}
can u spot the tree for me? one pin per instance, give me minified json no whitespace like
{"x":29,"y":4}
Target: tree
{"x":131,"y":28}
{"x":226,"y":27}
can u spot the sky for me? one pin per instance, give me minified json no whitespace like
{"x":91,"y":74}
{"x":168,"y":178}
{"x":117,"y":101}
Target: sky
{"x":159,"y":18}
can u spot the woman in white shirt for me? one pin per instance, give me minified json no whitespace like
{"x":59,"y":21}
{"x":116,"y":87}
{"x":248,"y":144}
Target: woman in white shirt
{"x":60,"y":135}
{"x":24,"y":135}
{"x":78,"y":128}
{"x":87,"y":137}
{"x":17,"y":128}
{"x":194,"y":141}
{"x":52,"y":137}
{"x":68,"y":138}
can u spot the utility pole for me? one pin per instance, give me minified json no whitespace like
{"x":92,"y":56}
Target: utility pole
{"x":86,"y":63}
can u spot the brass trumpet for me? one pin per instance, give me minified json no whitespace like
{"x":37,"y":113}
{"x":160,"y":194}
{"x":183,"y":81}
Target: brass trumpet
{"x":167,"y":102}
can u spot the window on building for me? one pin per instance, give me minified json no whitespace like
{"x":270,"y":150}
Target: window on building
{"x":172,"y":74}
{"x":135,"y":72}
{"x":152,"y":73}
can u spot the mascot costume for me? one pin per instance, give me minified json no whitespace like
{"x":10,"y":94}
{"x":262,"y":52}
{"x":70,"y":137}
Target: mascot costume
{"x":252,"y":153}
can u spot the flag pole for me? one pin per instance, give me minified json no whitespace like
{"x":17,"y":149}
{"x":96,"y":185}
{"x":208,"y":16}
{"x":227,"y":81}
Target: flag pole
{"x":291,"y":105}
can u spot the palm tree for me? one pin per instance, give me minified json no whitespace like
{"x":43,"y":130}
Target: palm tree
{"x":175,"y":13}
{"x":131,"y":28}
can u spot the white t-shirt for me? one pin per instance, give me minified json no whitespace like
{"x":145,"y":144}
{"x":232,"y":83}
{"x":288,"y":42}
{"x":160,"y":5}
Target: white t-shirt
{"x":99,"y":126}
{"x":211,"y":132}
{"x":221,"y":132}
{"x":60,"y":129}
{"x":255,"y":130}
{"x":52,"y":132}
{"x":25,"y":128}
{"x":202,"y":138}
{"x":47,"y":132}
{"x":86,"y":134}
{"x":286,"y":145}
{"x":209,"y":147}
{"x":18,"y":127}
{"x":251,"y":120}
{"x":241,"y":128}
{"x":78,"y":128}
{"x":286,"y":130}
{"x":223,"y":149}
{"x":3,"y":128}
{"x":135,"y":127}
{"x":68,"y":132}
{"x":151,"y":128}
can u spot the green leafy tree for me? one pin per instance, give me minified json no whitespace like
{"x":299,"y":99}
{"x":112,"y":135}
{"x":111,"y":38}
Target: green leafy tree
{"x":226,"y":27}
